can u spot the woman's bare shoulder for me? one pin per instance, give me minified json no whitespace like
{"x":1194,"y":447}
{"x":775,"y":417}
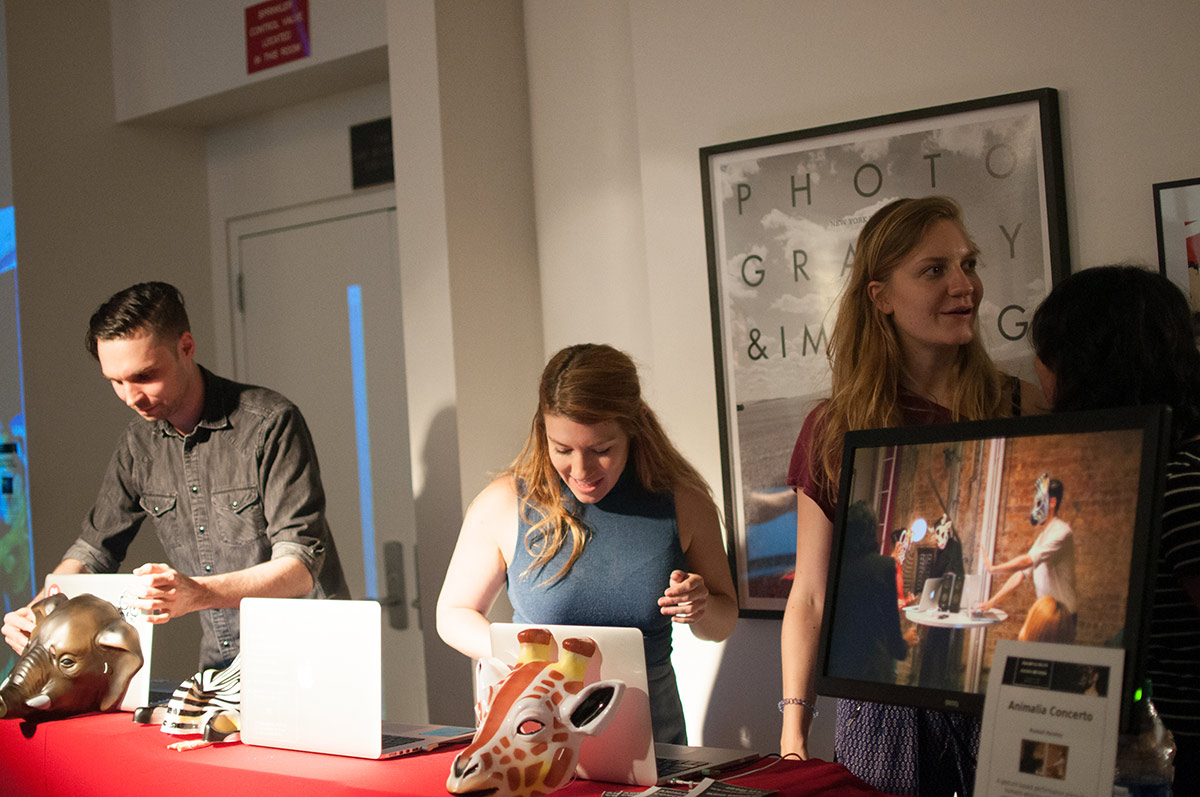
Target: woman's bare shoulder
{"x":692,"y":498}
{"x":499,"y":496}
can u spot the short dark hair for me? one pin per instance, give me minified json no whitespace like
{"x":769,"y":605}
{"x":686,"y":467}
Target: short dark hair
{"x":155,"y":307}
{"x":1120,"y":336}
{"x":1055,"y":491}
{"x":861,"y":530}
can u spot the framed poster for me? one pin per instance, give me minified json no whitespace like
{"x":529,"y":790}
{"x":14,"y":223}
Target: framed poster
{"x":782,"y":214}
{"x":1177,"y":218}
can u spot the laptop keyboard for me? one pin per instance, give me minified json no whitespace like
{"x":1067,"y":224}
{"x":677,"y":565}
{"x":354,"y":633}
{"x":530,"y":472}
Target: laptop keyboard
{"x":673,"y":766}
{"x":391,"y":740}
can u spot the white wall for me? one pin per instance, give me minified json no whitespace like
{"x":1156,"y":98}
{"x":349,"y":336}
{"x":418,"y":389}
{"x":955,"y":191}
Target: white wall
{"x":707,"y":72}
{"x":183,"y":61}
{"x":590,"y":231}
{"x":469,"y":278}
{"x":99,"y":207}
{"x":276,"y":160}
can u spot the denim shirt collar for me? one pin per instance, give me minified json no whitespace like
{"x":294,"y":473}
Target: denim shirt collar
{"x":213,"y":415}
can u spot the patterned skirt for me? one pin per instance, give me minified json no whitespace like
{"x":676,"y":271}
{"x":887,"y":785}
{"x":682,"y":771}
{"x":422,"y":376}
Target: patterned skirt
{"x":903,"y":750}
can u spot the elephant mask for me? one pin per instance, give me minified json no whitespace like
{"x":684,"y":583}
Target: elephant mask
{"x":80,"y":658}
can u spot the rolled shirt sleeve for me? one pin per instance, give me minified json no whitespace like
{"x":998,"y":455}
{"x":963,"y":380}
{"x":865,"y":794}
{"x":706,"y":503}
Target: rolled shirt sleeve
{"x":293,"y":495}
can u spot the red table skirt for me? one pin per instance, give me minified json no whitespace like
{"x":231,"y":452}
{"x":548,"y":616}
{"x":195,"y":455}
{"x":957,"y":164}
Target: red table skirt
{"x":107,"y":754}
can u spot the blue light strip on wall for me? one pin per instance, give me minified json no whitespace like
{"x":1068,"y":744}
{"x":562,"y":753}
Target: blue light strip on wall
{"x":362,"y":435}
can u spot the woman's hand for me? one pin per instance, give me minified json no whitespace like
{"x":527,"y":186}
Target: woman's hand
{"x":686,"y":597}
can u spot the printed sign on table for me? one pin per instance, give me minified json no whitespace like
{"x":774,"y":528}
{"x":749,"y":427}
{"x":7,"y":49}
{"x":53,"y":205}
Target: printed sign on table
{"x":1050,"y":721}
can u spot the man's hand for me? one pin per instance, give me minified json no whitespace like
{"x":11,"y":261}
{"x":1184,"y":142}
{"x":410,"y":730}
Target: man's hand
{"x":18,"y":625}
{"x":686,"y":598}
{"x":167,"y":593}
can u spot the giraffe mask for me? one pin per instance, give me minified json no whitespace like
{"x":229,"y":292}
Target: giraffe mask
{"x":534,"y":721}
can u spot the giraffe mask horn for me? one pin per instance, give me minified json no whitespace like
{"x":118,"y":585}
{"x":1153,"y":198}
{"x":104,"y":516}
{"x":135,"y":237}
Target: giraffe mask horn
{"x":534,"y":721}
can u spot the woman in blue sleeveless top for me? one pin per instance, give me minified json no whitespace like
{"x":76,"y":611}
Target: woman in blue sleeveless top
{"x":599,"y":521}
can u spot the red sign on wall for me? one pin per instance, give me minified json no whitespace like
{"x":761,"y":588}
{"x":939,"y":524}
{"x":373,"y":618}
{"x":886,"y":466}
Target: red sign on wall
{"x":276,"y":33}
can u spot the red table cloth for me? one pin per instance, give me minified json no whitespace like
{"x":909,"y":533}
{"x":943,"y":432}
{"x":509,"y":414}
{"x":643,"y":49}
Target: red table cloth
{"x":108,"y":754}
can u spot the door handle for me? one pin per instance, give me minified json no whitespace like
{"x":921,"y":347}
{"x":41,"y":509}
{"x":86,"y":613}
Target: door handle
{"x":395,"y":601}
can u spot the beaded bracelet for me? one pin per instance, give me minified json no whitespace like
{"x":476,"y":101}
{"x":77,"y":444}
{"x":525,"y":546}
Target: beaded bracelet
{"x":798,"y":701}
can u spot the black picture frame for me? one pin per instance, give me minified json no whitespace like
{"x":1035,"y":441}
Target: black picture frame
{"x":1177,"y":222}
{"x":775,"y":270}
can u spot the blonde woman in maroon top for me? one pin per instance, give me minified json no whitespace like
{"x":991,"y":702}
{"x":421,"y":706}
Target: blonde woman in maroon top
{"x":905,"y":349}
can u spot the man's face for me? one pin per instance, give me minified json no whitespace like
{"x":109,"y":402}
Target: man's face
{"x":150,"y":376}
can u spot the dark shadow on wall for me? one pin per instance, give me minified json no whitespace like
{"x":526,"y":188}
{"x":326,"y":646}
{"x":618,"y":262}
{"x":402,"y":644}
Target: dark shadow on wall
{"x":743,"y":710}
{"x":438,"y":510}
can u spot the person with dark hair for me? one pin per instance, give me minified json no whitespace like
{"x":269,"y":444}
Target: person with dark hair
{"x":941,"y":648}
{"x":1119,"y":336}
{"x":867,"y":635}
{"x":1049,"y":562}
{"x":1123,"y":335}
{"x":905,"y":349}
{"x":226,"y":472}
{"x":599,"y":521}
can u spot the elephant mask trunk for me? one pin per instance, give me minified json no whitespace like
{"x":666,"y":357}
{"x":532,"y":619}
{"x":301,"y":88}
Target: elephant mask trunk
{"x":28,"y":677}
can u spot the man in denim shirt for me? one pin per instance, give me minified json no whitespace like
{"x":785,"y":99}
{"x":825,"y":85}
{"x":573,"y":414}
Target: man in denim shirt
{"x":227,"y":472}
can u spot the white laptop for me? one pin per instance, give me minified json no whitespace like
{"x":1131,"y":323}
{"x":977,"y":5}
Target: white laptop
{"x":625,"y":751}
{"x":312,"y":679}
{"x":929,"y":595}
{"x":110,"y":587}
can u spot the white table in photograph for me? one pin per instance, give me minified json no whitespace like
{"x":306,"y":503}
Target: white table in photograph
{"x":964,"y":618}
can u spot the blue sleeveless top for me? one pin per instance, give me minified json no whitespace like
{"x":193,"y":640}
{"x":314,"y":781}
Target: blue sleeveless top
{"x":626,"y":564}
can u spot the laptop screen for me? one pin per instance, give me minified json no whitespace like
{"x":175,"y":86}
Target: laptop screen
{"x":950,"y":537}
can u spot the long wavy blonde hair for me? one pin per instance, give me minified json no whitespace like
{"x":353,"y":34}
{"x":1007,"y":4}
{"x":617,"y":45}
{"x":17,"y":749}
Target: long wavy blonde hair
{"x":590,"y":383}
{"x":864,"y":349}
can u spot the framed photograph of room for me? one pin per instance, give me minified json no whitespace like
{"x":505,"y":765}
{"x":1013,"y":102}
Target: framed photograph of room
{"x":782,"y":213}
{"x":1177,"y":219}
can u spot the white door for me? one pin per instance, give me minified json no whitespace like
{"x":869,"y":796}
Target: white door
{"x":316,"y":315}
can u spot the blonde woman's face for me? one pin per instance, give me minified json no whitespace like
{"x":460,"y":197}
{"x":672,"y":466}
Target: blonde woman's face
{"x":589,"y":459}
{"x":933,"y":294}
